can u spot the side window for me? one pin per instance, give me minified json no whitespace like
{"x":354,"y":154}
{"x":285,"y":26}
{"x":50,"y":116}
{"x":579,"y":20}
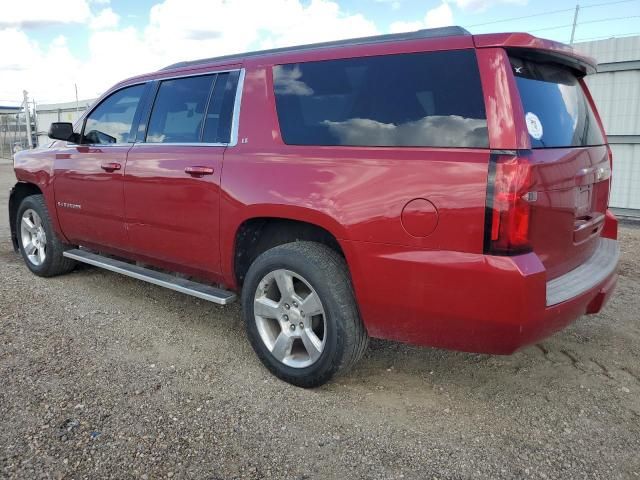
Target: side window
{"x":217,"y":126}
{"x":427,"y":99}
{"x":111,"y":121}
{"x":178,"y":111}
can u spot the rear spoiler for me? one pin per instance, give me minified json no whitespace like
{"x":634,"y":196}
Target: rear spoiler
{"x":534,"y":48}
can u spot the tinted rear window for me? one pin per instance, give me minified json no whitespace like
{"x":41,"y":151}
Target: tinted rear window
{"x":194,"y":109}
{"x":429,"y":99}
{"x":178,"y":110}
{"x":556,"y":109}
{"x":217,"y":126}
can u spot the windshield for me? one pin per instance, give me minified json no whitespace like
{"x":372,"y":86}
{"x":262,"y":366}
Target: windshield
{"x":556,"y":109}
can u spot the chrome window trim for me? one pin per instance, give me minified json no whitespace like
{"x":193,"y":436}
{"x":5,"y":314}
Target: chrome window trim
{"x":183,"y":144}
{"x":235,"y":118}
{"x":201,"y":74}
{"x":99,"y":144}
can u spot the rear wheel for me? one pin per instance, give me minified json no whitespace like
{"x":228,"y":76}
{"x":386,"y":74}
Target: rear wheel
{"x":301,"y":315}
{"x":41,"y":249}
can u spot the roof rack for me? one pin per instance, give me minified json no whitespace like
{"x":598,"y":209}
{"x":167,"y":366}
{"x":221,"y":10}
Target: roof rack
{"x":417,"y":35}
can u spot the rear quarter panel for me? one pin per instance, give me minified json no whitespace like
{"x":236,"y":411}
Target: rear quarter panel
{"x":355,"y":193}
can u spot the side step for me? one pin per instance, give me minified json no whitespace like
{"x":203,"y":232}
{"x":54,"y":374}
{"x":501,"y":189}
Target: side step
{"x":200,"y":290}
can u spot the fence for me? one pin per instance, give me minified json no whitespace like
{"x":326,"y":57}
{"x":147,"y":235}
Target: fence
{"x":13,"y":133}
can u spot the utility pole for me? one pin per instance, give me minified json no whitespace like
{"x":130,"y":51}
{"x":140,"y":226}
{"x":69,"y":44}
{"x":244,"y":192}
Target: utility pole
{"x":575,"y":22}
{"x":4,"y":136}
{"x":35,"y":121}
{"x":27,"y":116}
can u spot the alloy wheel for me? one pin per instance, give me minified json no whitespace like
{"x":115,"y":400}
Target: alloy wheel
{"x":290,"y":318}
{"x":34,"y":237}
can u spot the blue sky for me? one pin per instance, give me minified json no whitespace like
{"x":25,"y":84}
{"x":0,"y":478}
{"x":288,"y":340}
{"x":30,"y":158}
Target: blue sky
{"x":93,"y":43}
{"x":625,"y":18}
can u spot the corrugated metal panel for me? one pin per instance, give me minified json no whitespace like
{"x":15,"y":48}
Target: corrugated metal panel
{"x":625,"y":186}
{"x":612,"y":49}
{"x":81,"y":105}
{"x":617,"y":96}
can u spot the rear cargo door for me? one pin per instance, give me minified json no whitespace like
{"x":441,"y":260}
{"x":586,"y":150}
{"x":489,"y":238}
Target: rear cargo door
{"x":570,"y":163}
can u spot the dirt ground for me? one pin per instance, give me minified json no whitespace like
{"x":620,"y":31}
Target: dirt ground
{"x":106,"y":377}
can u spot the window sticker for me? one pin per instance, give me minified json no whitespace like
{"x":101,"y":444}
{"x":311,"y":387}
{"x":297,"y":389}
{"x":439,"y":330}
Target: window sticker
{"x":534,"y":125}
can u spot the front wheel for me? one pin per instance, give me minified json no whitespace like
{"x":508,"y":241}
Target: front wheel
{"x":300,"y":313}
{"x":41,"y":249}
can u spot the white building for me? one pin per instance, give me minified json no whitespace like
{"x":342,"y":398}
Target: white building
{"x":58,"y":112}
{"x":616,"y":91}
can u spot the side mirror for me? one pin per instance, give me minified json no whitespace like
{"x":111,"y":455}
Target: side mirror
{"x":62,"y":131}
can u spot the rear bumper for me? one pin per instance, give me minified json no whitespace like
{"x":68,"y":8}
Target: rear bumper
{"x":584,"y":278}
{"x":472,"y":302}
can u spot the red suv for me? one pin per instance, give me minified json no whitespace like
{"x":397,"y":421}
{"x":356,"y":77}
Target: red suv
{"x":435,"y":187}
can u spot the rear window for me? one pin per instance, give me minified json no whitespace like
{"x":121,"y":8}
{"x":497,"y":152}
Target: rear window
{"x":429,"y":99}
{"x":556,"y":109}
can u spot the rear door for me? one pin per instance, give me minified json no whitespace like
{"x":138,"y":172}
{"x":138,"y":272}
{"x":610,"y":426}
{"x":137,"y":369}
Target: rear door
{"x":88,"y":181}
{"x":172,"y":177}
{"x":570,"y":163}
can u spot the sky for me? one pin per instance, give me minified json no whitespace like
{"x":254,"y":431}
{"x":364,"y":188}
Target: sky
{"x":48,"y":47}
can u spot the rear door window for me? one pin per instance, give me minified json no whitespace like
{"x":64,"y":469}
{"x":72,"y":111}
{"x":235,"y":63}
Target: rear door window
{"x":217,"y":125}
{"x":556,"y":109}
{"x":427,"y":99}
{"x":194,"y":109}
{"x":178,"y":111}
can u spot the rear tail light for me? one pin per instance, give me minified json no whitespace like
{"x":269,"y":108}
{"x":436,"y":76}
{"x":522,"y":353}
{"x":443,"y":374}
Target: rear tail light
{"x":508,"y":208}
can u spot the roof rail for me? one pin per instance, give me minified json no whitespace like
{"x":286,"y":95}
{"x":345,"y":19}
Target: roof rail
{"x":417,"y":35}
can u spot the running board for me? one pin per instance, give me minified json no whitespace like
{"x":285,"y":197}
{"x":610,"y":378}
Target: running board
{"x":200,"y":290}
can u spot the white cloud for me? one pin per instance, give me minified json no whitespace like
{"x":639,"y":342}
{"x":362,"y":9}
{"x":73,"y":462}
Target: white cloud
{"x":34,"y":13}
{"x":440,"y":16}
{"x":234,"y":26}
{"x":395,"y":4}
{"x":46,"y":73}
{"x":173,"y":33}
{"x":443,"y":130}
{"x":482,"y":5}
{"x":105,"y":19}
{"x":399,"y":27}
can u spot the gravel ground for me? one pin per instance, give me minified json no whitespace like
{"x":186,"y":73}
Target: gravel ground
{"x":107,"y":377}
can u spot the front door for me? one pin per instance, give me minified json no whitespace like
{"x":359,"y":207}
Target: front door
{"x":172,"y":177}
{"x":88,"y":182}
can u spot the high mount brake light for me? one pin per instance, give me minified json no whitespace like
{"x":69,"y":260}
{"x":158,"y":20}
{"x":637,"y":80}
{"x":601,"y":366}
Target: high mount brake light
{"x":508,"y":208}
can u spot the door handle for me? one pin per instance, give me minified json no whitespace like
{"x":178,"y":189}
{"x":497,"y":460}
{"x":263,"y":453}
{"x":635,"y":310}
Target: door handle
{"x":110,"y":167}
{"x":199,"y":171}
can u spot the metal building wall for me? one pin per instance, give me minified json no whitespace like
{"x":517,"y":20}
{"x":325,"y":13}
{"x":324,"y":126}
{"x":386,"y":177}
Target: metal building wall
{"x":616,"y":91}
{"x":58,"y":112}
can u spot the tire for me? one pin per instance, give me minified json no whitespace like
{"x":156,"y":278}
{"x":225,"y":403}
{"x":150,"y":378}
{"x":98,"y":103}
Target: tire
{"x":44,"y":257}
{"x":305,"y":349}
